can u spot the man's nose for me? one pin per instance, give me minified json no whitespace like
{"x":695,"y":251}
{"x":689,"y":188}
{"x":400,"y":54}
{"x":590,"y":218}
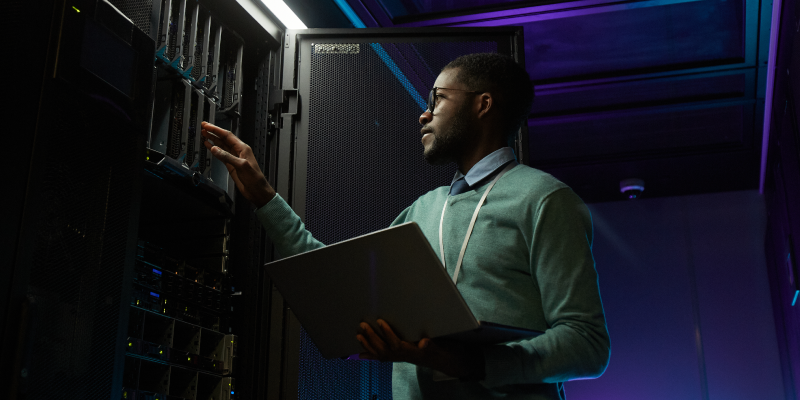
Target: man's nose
{"x":426,"y":117}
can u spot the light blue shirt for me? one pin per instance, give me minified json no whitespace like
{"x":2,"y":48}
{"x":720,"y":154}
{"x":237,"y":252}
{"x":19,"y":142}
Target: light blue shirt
{"x":486,"y":166}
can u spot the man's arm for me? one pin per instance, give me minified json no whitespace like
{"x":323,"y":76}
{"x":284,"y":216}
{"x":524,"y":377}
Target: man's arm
{"x":576,"y":343}
{"x":283,"y":226}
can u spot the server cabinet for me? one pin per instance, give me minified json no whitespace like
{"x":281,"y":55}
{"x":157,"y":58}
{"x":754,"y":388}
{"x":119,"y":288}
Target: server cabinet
{"x":133,"y":264}
{"x":78,"y":131}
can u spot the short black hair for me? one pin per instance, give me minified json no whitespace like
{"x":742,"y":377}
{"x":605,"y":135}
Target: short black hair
{"x":502,"y":76}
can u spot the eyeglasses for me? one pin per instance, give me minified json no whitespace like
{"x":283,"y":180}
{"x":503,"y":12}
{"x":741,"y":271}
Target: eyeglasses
{"x":432,"y":96}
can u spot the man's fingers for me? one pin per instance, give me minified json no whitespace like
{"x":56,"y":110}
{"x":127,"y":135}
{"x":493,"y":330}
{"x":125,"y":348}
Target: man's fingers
{"x":225,"y":157}
{"x":219,"y":135}
{"x":212,"y":140}
{"x":388,"y":334}
{"x":374,"y":340}
{"x":365,"y":344}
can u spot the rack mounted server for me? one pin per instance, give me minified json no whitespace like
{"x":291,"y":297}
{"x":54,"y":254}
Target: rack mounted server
{"x":198,"y":78}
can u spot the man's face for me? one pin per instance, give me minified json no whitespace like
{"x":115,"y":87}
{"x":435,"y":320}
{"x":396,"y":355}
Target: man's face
{"x":448,"y":128}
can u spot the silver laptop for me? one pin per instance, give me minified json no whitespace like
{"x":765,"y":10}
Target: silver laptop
{"x":392,"y":274}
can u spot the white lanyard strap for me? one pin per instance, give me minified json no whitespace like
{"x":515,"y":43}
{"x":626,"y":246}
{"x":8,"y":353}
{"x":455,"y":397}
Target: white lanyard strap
{"x":471,"y":224}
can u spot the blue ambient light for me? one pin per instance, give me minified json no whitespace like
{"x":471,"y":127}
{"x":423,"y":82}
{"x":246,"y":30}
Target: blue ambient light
{"x":358,"y":23}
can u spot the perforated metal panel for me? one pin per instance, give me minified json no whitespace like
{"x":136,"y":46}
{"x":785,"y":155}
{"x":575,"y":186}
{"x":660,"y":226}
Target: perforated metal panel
{"x":137,"y":10}
{"x":79,"y":251}
{"x":365,"y":166}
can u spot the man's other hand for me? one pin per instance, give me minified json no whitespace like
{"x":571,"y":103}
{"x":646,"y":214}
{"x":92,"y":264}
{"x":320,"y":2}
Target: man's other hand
{"x":242,"y":166}
{"x":450,"y":358}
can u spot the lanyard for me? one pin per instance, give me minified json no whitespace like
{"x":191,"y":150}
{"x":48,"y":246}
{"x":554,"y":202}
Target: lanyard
{"x":471,"y":224}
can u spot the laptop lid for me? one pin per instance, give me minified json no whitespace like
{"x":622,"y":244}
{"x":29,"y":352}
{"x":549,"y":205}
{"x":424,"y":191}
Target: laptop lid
{"x":392,"y":274}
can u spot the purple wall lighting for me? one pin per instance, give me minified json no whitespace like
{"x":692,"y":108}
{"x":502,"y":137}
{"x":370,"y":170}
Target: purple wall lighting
{"x":687,"y":300}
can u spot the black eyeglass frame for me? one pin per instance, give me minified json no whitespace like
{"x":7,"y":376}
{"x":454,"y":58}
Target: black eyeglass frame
{"x":432,"y":96}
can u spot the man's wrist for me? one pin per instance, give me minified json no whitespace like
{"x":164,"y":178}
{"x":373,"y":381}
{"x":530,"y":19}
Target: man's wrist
{"x":263,"y":197}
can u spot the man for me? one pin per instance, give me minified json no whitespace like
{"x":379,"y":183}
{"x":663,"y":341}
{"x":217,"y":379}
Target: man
{"x":528,"y":262}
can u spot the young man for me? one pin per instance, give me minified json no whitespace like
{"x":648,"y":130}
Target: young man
{"x":528,"y":263}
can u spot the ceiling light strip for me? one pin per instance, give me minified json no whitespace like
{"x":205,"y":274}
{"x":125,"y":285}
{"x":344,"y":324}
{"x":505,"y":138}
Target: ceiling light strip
{"x":285,"y":14}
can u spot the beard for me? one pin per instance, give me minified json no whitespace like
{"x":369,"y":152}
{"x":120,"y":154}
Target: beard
{"x":447,"y":145}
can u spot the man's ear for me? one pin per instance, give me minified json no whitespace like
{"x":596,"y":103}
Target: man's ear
{"x":484,"y":103}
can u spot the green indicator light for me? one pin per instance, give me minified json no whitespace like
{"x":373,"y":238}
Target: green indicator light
{"x":73,"y":7}
{"x":190,"y":358}
{"x":130,"y":344}
{"x":161,"y":352}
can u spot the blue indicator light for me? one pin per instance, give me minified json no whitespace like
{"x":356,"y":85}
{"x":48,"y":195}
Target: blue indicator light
{"x":154,"y":294}
{"x":155,"y":271}
{"x":231,"y":392}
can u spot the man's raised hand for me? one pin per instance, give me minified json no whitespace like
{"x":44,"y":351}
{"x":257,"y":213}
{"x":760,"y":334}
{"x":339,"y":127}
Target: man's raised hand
{"x":242,"y":166}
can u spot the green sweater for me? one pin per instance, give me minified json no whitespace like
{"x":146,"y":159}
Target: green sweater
{"x":528,"y":264}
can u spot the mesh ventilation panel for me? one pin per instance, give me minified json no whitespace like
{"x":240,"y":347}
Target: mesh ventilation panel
{"x":173,"y":29}
{"x":434,"y":56}
{"x":80,"y":247}
{"x":174,"y":140}
{"x":199,"y":68}
{"x":137,"y":10}
{"x":365,"y":167}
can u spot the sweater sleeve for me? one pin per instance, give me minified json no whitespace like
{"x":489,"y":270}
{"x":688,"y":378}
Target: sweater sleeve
{"x":285,"y":228}
{"x":576,"y":343}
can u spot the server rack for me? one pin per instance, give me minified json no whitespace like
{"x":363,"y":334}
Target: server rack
{"x":134,"y":262}
{"x":133,"y":268}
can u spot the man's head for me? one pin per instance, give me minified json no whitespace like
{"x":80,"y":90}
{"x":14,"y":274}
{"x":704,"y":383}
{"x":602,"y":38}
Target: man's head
{"x":480,"y":98}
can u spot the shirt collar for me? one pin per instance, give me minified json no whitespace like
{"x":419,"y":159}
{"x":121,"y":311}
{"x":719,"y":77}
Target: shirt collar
{"x":486,"y":166}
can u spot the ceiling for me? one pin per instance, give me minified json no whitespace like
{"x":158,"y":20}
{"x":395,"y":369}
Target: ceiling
{"x":667,"y":91}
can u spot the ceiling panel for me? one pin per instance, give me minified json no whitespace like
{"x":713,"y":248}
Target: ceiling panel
{"x":405,"y":8}
{"x":673,"y":36}
{"x":635,"y":133}
{"x":675,"y":176}
{"x":642,"y":93}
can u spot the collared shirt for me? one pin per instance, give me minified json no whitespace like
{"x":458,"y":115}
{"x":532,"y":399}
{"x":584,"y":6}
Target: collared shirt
{"x":487,"y":166}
